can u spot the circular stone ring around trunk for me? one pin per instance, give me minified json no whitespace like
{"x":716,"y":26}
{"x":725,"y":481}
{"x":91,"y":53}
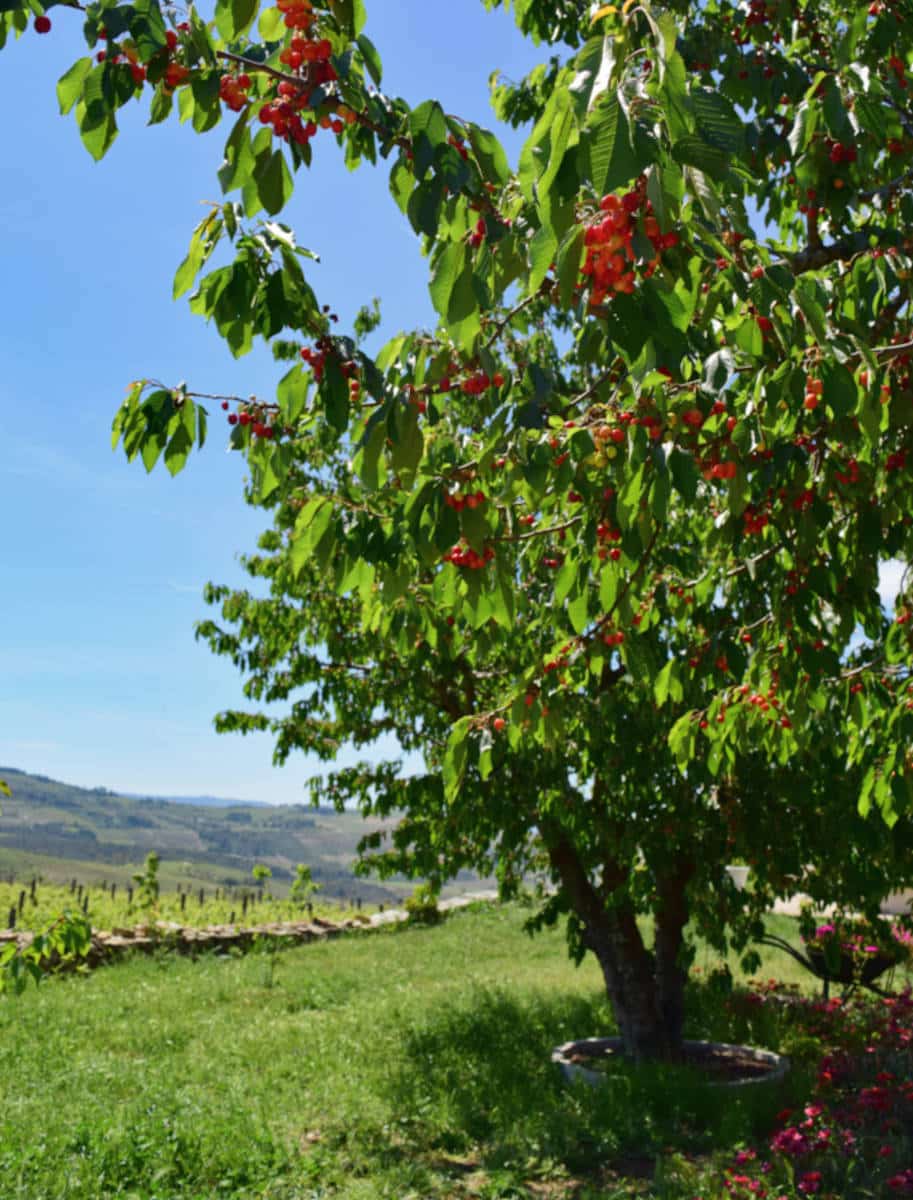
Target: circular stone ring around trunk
{"x":725,"y":1065}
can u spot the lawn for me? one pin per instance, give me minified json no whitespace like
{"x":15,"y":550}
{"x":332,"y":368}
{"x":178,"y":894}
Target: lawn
{"x":404,"y":1063}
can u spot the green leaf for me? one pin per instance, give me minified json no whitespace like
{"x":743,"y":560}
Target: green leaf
{"x":428,"y":129}
{"x":612,"y":161}
{"x":97,"y":131}
{"x":444,"y":274}
{"x":684,"y":474}
{"x":292,"y":393}
{"x":668,"y":684}
{"x":542,"y":249}
{"x":840,"y":391}
{"x":207,"y":106}
{"x":682,"y":740}
{"x":718,"y":121}
{"x":371,"y":58}
{"x":748,"y":337}
{"x":807,"y":301}
{"x":187,"y":271}
{"x":408,"y":443}
{"x":565,"y":580}
{"x":695,"y":152}
{"x":563,"y":133}
{"x":177,"y":451}
{"x":310,"y":526}
{"x":160,"y":108}
{"x":273,"y":180}
{"x":402,"y":183}
{"x":804,"y":125}
{"x":608,"y":586}
{"x":235,"y":17}
{"x":578,"y":611}
{"x":629,"y":497}
{"x":271,"y":25}
{"x":424,"y":205}
{"x":569,"y":258}
{"x":701,"y":186}
{"x":455,"y":758}
{"x":334,"y":389}
{"x":70,"y":85}
{"x":490,"y":154}
{"x":870,"y":116}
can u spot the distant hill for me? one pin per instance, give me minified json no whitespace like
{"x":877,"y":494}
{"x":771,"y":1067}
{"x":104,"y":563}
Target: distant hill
{"x":199,"y":801}
{"x":61,"y":832}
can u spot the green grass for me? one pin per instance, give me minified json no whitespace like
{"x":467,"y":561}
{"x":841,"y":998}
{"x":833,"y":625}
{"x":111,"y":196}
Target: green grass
{"x":411,"y":1063}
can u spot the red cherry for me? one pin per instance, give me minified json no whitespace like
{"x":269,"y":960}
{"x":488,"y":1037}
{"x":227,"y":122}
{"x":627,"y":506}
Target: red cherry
{"x":498,"y":723}
{"x":224,"y":406}
{"x":42,"y":24}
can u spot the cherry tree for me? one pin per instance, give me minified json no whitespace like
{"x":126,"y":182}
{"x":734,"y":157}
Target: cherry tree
{"x":603,"y":546}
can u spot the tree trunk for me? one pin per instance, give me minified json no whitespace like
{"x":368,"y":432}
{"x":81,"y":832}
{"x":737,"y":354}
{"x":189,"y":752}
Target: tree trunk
{"x":646,"y":990}
{"x":671,"y":975}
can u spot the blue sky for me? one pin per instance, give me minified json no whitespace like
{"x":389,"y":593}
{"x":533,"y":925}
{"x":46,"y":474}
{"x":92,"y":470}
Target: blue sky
{"x":103,"y":566}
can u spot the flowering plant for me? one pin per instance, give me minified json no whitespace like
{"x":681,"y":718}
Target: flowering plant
{"x":853,"y":949}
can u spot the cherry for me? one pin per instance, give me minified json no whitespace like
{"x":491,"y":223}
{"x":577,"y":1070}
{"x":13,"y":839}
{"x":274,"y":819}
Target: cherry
{"x":42,"y":24}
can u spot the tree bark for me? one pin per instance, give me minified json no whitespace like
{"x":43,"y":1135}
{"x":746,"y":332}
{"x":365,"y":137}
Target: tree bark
{"x":646,"y":990}
{"x":671,"y":975}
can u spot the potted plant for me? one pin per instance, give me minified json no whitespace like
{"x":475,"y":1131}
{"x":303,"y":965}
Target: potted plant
{"x":854,"y":950}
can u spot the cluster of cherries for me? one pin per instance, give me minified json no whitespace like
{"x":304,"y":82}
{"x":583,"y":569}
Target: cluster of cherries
{"x":851,"y":475}
{"x":475,"y":384}
{"x":297,"y":14}
{"x":605,"y":533}
{"x":256,"y":418}
{"x":838,"y":153}
{"x":755,"y":520}
{"x":458,"y":501}
{"x":610,"y":260}
{"x":814,"y":389}
{"x":315,"y":359}
{"x":464,"y":556}
{"x":233,"y":91}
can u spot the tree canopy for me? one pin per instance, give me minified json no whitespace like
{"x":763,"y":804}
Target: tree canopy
{"x":604,"y":545}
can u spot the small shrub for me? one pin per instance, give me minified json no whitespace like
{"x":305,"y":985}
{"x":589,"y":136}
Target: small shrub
{"x":422,"y":905}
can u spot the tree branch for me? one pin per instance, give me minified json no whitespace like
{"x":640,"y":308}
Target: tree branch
{"x":813,"y":258}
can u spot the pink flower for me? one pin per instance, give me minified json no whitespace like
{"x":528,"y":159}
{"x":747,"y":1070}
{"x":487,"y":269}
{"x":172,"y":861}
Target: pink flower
{"x":810,"y":1182}
{"x":790,"y":1141}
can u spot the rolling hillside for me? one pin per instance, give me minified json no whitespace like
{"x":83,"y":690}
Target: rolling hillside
{"x":61,"y":832}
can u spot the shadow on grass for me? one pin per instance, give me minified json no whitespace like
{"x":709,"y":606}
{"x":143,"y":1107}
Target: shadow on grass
{"x":476,"y":1075}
